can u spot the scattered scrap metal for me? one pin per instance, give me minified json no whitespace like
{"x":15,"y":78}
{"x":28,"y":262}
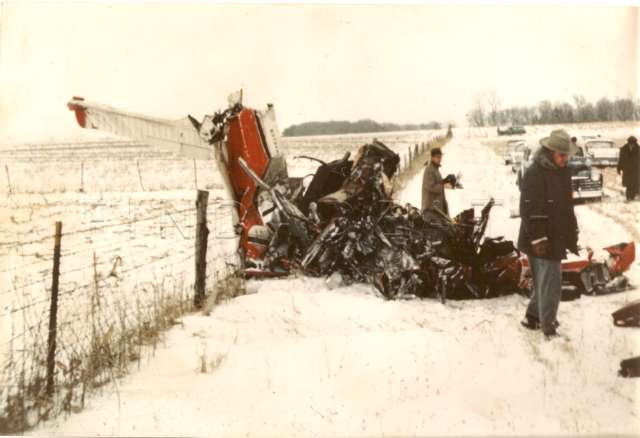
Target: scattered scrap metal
{"x":630,"y":367}
{"x":344,"y":223}
{"x":346,"y":226}
{"x":628,"y":316}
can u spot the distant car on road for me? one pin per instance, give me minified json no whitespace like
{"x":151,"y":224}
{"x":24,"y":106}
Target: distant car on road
{"x":602,"y":151}
{"x":510,"y":148}
{"x":586,"y":180}
{"x":512,"y":130}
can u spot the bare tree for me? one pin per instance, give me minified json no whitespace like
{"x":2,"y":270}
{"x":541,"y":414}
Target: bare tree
{"x":493,"y":104}
{"x":487,"y":111}
{"x":623,"y":109}
{"x":476,"y":117}
{"x":545,"y":109}
{"x":580,"y":104}
{"x":604,"y":110}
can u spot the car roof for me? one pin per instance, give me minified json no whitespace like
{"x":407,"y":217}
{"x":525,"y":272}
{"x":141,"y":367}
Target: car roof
{"x":599,"y":139}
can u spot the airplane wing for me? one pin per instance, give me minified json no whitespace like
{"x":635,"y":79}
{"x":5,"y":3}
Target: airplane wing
{"x":178,"y":136}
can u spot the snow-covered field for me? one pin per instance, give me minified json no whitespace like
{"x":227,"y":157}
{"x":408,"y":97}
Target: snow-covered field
{"x":615,"y":130}
{"x":333,"y":147}
{"x":295,"y":357}
{"x":125,"y":257}
{"x":128,"y":246}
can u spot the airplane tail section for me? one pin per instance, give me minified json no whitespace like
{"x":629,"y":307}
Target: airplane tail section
{"x":178,"y":136}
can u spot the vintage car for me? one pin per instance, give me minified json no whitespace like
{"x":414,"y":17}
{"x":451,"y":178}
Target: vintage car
{"x":586,"y":180}
{"x":602,"y":151}
{"x":512,"y":130}
{"x":517,"y":154}
{"x":509,"y":149}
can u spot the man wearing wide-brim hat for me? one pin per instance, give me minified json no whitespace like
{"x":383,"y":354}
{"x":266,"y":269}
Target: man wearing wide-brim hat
{"x":433,"y":185}
{"x":548,"y":227}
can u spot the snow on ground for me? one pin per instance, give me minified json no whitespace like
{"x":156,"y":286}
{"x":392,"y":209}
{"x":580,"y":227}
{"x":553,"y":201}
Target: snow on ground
{"x":138,"y":241}
{"x":483,"y":176}
{"x":298,"y":358}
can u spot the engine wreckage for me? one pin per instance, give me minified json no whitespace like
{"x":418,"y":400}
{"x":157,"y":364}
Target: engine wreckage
{"x":344,"y":223}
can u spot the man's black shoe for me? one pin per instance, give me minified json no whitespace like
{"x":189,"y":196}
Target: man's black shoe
{"x":534,"y":324}
{"x":530,"y":323}
{"x":551,"y":335}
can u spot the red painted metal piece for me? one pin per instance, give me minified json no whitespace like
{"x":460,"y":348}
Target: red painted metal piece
{"x":511,"y":264}
{"x":575,"y":266}
{"x":81,"y":115}
{"x":244,"y":141}
{"x":623,"y":255}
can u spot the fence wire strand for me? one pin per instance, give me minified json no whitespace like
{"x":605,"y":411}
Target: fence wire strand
{"x":115,"y":292}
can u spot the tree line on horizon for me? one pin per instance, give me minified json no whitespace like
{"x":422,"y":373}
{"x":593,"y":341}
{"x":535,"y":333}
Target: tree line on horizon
{"x":347,"y":127}
{"x":487,"y":111}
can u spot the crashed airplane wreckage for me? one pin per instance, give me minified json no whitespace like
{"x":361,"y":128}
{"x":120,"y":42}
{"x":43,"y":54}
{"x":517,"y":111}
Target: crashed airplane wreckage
{"x":343,"y":222}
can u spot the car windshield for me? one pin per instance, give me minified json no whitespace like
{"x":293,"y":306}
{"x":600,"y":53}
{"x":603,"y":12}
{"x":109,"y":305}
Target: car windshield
{"x":576,"y":161}
{"x":578,"y":156}
{"x":600,"y":144}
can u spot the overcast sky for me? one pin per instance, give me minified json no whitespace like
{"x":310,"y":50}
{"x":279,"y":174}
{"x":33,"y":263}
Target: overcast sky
{"x":399,"y":64}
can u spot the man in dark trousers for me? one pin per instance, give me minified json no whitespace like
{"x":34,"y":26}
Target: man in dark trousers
{"x":629,"y":165}
{"x":548,"y":227}
{"x":433,"y":185}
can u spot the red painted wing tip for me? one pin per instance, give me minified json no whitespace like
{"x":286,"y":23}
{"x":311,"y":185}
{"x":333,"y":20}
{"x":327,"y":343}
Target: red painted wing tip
{"x":81,"y":116}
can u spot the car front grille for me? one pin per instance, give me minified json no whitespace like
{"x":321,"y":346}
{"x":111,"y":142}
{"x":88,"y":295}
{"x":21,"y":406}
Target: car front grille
{"x":585,"y":184}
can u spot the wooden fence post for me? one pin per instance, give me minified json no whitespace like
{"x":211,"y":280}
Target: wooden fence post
{"x":82,"y":176}
{"x":139,"y":175}
{"x":53,"y":310}
{"x":202,"y":234}
{"x":195,"y":173}
{"x":6,"y":168}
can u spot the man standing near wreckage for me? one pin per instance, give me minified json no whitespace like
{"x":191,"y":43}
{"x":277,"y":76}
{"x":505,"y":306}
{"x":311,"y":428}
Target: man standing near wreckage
{"x":548,"y":227}
{"x":433,"y":185}
{"x":629,"y":165}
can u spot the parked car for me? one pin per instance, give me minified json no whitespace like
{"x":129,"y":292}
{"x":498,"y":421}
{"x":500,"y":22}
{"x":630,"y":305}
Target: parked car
{"x":517,"y":154}
{"x":602,"y":151}
{"x":510,"y":147}
{"x":512,"y":130}
{"x":588,"y":136}
{"x":586,"y":180}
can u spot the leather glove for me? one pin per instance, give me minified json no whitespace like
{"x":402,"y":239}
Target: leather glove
{"x":540,"y":248}
{"x":450,"y":179}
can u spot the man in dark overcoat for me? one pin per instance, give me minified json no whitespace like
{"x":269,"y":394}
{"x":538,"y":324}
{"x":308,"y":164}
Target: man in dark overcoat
{"x":629,"y":165}
{"x":548,"y":227}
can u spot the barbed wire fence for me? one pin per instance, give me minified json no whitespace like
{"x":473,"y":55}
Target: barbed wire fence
{"x":414,"y":160}
{"x":121,"y":279}
{"x":79,"y":305}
